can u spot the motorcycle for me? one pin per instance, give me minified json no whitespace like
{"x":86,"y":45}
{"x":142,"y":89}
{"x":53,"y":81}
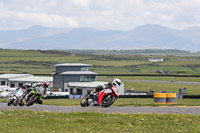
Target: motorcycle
{"x":16,"y":98}
{"x":104,"y":98}
{"x":36,"y":96}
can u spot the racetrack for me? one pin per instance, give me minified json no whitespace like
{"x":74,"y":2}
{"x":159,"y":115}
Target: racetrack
{"x":111,"y":109}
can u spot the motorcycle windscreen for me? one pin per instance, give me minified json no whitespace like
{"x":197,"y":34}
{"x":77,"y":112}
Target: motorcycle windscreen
{"x":19,"y":93}
{"x":115,"y":90}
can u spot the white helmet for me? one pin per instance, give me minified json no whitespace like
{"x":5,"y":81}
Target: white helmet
{"x":28,"y":84}
{"x":117,"y":82}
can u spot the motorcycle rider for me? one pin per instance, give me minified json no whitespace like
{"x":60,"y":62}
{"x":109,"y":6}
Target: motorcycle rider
{"x":27,"y":89}
{"x":116,"y":83}
{"x":40,"y":87}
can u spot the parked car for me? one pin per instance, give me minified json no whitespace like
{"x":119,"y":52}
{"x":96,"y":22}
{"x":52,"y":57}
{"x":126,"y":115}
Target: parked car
{"x":159,"y":71}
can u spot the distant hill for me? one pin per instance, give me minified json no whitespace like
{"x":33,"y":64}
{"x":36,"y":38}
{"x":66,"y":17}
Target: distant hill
{"x":143,"y":37}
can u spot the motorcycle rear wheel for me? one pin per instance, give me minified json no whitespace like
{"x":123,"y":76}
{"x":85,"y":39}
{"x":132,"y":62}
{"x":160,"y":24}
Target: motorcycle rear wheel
{"x":32,"y":100}
{"x":21,"y":102}
{"x":84,"y":102}
{"x":108,"y":100}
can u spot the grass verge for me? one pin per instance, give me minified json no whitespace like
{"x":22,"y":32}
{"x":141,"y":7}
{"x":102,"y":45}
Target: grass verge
{"x":50,"y":122}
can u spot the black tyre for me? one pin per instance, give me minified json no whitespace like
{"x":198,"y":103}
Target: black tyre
{"x":21,"y":103}
{"x":84,"y":102}
{"x":108,"y":100}
{"x":40,"y":101}
{"x":32,"y":100}
{"x":11,"y":101}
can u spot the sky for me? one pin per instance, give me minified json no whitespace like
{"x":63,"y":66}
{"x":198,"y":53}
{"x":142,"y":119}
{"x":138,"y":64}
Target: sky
{"x":99,"y":14}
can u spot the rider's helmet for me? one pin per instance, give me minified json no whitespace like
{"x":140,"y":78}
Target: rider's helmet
{"x":28,"y":85}
{"x":99,"y":88}
{"x":117,"y":82}
{"x":46,"y":84}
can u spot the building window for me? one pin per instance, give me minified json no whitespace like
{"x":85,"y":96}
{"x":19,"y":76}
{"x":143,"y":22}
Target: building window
{"x":79,"y":92}
{"x":12,"y":85}
{"x":20,"y":84}
{"x":3,"y":82}
{"x":86,"y":79}
{"x":89,"y":91}
{"x":71,"y":90}
{"x":84,"y":68}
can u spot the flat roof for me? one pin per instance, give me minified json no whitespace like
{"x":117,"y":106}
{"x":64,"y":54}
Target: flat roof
{"x":73,"y":64}
{"x":6,"y":76}
{"x":78,"y":73}
{"x":86,"y":84}
{"x":32,"y":79}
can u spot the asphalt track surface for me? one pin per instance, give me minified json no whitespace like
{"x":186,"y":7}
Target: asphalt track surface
{"x":111,"y":109}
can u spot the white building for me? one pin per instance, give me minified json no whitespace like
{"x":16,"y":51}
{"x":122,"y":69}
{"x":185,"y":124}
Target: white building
{"x":156,"y":59}
{"x":4,"y":78}
{"x":18,"y":80}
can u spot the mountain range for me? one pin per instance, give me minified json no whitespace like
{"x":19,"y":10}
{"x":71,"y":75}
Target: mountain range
{"x":143,"y":37}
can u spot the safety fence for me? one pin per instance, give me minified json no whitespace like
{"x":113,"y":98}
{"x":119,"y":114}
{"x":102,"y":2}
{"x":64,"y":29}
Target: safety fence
{"x":191,"y":96}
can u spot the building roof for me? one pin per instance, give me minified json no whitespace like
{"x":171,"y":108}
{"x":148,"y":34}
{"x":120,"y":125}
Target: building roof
{"x":32,"y":79}
{"x":78,"y":73}
{"x":73,"y":64}
{"x":6,"y":76}
{"x":86,"y":84}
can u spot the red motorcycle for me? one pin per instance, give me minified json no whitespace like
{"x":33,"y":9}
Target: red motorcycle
{"x":101,"y":97}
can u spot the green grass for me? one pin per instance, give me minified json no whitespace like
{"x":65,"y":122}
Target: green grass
{"x":156,"y":87}
{"x":161,"y":78}
{"x":38,"y":62}
{"x":50,"y":122}
{"x":4,"y":100}
{"x":173,"y":69}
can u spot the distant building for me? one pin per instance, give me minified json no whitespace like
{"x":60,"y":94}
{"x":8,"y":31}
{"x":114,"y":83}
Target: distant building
{"x":4,"y":78}
{"x":156,"y":59}
{"x":71,"y":72}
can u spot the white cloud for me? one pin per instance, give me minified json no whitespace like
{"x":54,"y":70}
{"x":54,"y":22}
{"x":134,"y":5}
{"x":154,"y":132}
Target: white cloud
{"x":81,"y":3}
{"x":99,"y":14}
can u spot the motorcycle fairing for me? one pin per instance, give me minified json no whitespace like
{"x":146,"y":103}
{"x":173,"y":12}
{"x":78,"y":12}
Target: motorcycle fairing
{"x":105,"y":92}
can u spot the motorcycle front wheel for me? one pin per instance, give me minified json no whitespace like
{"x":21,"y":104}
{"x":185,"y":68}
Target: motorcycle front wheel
{"x":84,"y":102}
{"x":108,"y":100}
{"x":11,"y":101}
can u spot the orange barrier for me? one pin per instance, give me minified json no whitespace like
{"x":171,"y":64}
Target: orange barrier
{"x":160,"y":98}
{"x":171,"y":98}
